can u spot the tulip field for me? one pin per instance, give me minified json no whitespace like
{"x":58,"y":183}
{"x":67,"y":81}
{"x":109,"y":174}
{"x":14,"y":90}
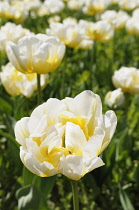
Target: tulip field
{"x":69,"y":105}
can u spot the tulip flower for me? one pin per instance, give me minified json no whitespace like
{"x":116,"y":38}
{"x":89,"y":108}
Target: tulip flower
{"x":116,"y":19}
{"x":115,"y":99}
{"x":128,"y":5}
{"x":70,"y":34}
{"x":17,"y":83}
{"x":32,"y":5}
{"x":54,"y":6}
{"x":75,"y":4}
{"x":132,"y":25}
{"x":92,"y":7}
{"x":6,"y":34}
{"x":36,"y":54}
{"x":65,"y":136}
{"x":15,"y":11}
{"x":101,"y":30}
{"x":127,"y":78}
{"x":53,"y":19}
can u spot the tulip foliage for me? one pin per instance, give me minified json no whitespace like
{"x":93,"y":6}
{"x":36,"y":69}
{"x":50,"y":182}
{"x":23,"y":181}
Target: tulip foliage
{"x":87,"y":127}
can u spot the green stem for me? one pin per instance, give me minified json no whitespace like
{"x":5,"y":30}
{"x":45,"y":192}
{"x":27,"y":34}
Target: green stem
{"x":39,"y":88}
{"x":75,"y":195}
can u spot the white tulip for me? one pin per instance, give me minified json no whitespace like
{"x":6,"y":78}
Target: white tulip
{"x":6,"y":34}
{"x":101,"y":30}
{"x":115,"y":99}
{"x":127,"y":78}
{"x":117,"y":19}
{"x":17,"y":83}
{"x":36,"y":54}
{"x":68,"y":32}
{"x":65,"y":136}
{"x":54,"y":6}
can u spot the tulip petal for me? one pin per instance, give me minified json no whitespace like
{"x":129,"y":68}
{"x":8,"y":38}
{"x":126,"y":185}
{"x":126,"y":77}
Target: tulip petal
{"x":14,"y":56}
{"x":93,"y":146}
{"x":84,"y":104}
{"x":91,"y":164}
{"x":75,"y":167}
{"x":75,"y":139}
{"x":35,"y":117}
{"x":21,"y":130}
{"x":53,"y":109}
{"x":44,"y":169}
{"x":110,"y":122}
{"x":71,"y":166}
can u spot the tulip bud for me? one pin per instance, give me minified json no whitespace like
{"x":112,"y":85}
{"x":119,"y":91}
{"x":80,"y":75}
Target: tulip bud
{"x":115,"y":99}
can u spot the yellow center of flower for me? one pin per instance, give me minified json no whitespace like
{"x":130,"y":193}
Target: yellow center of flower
{"x":76,"y":120}
{"x":52,"y":156}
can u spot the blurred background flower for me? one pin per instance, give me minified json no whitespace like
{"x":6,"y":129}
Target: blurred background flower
{"x":17,"y":83}
{"x":69,"y":33}
{"x":127,"y":78}
{"x":117,"y":19}
{"x":11,"y":32}
{"x":115,"y":99}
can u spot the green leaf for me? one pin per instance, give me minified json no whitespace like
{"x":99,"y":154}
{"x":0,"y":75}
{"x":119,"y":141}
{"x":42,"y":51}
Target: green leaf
{"x":5,"y":104}
{"x":27,"y":176}
{"x":47,"y":185}
{"x":10,"y":137}
{"x":43,"y":185}
{"x":28,"y":198}
{"x":125,"y":200}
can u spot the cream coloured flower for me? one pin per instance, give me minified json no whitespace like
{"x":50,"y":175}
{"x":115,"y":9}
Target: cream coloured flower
{"x":135,"y":13}
{"x":75,"y":4}
{"x":53,"y":19}
{"x":6,"y":34}
{"x":127,"y":78}
{"x":65,"y":136}
{"x":132,"y":26}
{"x":54,"y":6}
{"x":32,"y":5}
{"x":117,"y":19}
{"x":101,"y":30}
{"x":17,"y":83}
{"x":128,"y":4}
{"x":70,"y":20}
{"x":92,"y":7}
{"x":115,"y":99}
{"x":68,"y":32}
{"x":43,"y":10}
{"x":36,"y":54}
{"x":14,"y":11}
{"x":114,"y":2}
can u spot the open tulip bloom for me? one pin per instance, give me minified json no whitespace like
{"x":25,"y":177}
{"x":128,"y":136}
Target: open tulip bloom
{"x":36,"y":54}
{"x":65,"y":136}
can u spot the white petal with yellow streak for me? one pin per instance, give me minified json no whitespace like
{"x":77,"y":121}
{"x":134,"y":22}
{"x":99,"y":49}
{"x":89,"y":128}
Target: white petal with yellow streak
{"x":52,"y":140}
{"x":93,"y":146}
{"x":71,"y":166}
{"x":21,"y":130}
{"x":75,"y":139}
{"x":91,"y":164}
{"x":53,"y":109}
{"x":75,"y":167}
{"x":14,"y":56}
{"x":42,"y":125}
{"x":84,"y":104}
{"x":35,"y":117}
{"x":110,"y":122}
{"x":44,"y":169}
